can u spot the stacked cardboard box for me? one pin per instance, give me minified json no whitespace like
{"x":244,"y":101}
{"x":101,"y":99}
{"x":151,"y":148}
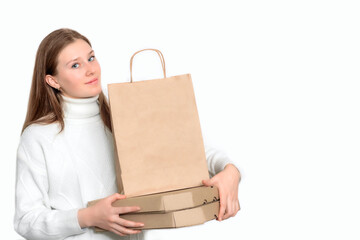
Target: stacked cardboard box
{"x":173,"y":209}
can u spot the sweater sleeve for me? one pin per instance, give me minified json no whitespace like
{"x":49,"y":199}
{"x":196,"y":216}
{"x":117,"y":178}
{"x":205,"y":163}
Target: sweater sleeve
{"x":216,"y":159}
{"x":34,"y":217}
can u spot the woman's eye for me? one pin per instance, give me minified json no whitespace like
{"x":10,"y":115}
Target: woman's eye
{"x":91,"y":58}
{"x":76,"y":65}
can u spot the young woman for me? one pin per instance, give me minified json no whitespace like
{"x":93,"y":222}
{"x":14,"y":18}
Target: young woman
{"x":65,"y":156}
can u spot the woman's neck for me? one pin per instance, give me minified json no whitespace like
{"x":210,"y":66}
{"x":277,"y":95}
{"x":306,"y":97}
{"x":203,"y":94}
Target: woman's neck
{"x":80,"y":108}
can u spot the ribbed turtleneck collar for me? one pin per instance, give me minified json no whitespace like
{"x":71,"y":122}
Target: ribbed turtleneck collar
{"x":80,"y":108}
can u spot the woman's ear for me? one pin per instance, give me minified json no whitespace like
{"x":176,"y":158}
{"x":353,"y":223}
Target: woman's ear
{"x":52,"y":81}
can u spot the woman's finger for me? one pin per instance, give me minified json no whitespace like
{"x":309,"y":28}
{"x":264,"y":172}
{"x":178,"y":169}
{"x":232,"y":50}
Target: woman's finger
{"x":116,"y":196}
{"x":117,"y":232}
{"x":124,"y":230}
{"x":237,"y":206}
{"x":123,"y":210}
{"x":127,"y":223}
{"x":209,"y":182}
{"x":230,"y":209}
{"x":222,"y":208}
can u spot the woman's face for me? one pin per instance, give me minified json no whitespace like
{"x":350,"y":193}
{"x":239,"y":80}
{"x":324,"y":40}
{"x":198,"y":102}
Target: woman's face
{"x":78,"y":71}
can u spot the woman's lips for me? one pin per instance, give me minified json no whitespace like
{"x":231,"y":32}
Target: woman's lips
{"x":93,"y":81}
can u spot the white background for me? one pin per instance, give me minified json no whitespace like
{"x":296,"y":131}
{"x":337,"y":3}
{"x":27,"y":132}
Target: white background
{"x":276,"y":84}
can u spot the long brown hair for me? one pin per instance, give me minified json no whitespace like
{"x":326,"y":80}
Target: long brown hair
{"x":45,"y":102}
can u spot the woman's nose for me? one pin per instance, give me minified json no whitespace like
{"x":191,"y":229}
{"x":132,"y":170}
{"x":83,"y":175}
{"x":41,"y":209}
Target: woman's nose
{"x":90,"y":68}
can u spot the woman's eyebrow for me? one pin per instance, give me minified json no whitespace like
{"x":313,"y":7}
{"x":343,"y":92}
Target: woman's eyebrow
{"x":92,"y":51}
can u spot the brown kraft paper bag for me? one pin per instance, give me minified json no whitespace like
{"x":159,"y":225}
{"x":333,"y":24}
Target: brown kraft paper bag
{"x":158,"y":139}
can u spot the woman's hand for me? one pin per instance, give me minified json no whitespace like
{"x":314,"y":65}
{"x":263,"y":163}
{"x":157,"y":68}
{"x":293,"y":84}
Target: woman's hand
{"x":105,"y":216}
{"x":227,"y":181}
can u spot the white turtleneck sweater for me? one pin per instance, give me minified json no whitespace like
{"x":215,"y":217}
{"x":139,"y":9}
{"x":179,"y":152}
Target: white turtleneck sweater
{"x":58,"y":174}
